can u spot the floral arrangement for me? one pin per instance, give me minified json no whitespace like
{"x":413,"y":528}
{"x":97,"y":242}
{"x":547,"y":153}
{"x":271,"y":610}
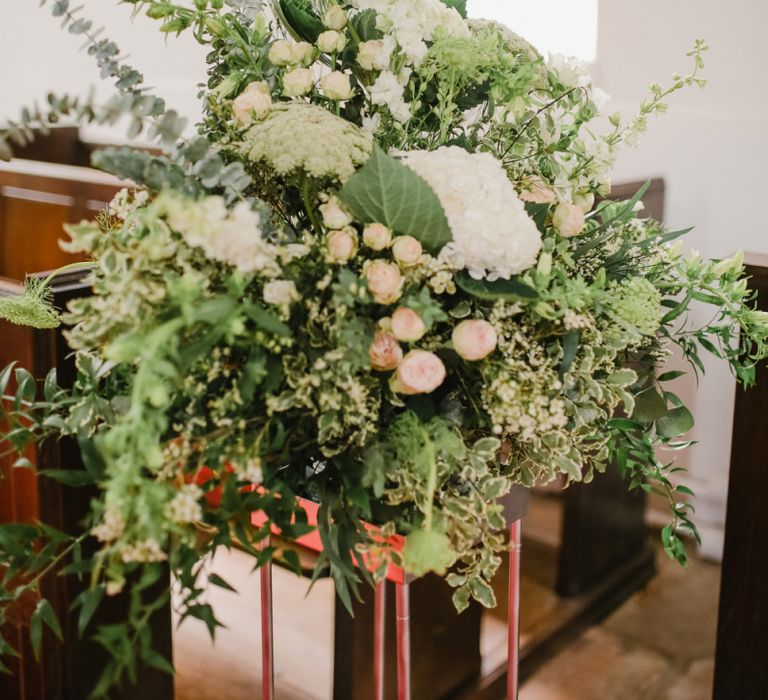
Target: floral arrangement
{"x":382,"y":276}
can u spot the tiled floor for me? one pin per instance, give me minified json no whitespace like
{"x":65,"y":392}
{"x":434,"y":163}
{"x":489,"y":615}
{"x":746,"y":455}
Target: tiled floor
{"x":658,"y":646}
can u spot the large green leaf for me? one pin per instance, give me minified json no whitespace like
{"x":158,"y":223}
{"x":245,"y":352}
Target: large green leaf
{"x":387,"y":192}
{"x":300,"y":19}
{"x":512,"y":289}
{"x":364,"y":24}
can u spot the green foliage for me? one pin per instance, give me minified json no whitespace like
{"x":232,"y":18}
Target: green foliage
{"x":299,"y":17}
{"x":387,"y":192}
{"x":508,"y":290}
{"x":427,"y":551}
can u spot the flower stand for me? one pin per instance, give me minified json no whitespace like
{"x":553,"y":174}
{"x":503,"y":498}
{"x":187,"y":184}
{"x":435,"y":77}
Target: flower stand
{"x":515,"y":507}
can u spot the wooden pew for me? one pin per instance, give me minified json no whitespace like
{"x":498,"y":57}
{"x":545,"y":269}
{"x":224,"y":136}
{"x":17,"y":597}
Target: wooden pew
{"x":36,"y":199}
{"x":742,"y":633}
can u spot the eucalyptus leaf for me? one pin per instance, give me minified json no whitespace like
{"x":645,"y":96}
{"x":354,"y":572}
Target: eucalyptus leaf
{"x":676,"y":423}
{"x":649,"y":406}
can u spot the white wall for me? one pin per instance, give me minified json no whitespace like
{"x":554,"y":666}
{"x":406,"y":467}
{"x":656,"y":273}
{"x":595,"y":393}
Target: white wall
{"x":37,"y":56}
{"x":712,"y":150}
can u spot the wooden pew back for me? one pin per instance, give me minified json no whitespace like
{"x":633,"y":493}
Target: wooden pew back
{"x":36,"y":200}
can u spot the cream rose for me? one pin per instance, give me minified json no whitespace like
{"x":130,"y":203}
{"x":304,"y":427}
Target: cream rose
{"x":335,"y":18}
{"x":407,"y":250}
{"x":537,"y":192}
{"x":385,"y":282}
{"x":331,"y":42}
{"x":377,"y":237}
{"x":585,"y":201}
{"x":255,"y":101}
{"x":342,"y":245}
{"x":337,"y":86}
{"x":298,"y":82}
{"x":335,"y":214}
{"x":281,"y":53}
{"x":386,"y":353}
{"x":374,"y":55}
{"x":407,"y":325}
{"x":303,"y":54}
{"x":420,"y":372}
{"x":280,"y":292}
{"x":474,"y":340}
{"x":569,"y":220}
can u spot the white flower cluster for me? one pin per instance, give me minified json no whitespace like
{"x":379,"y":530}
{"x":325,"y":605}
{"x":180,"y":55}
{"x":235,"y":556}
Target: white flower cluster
{"x":249,"y":470}
{"x":126,"y":201}
{"x":111,"y":527}
{"x":232,"y":237}
{"x":147,"y":552}
{"x":185,"y":506}
{"x":389,"y":91}
{"x":413,"y":23}
{"x":493,"y":236}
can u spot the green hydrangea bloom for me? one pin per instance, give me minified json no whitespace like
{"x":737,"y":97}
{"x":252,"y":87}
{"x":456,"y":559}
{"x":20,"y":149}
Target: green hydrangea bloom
{"x":514,"y":42}
{"x":32,"y":308}
{"x":304,"y":138}
{"x":636,"y":305}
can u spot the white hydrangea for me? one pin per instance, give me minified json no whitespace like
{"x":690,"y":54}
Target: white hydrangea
{"x":388,"y":92}
{"x":413,"y":23}
{"x":232,"y":236}
{"x":493,"y":236}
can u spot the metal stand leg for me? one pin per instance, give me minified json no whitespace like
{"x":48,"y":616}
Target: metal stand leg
{"x":402,"y":600}
{"x":379,"y":638}
{"x":513,"y":655}
{"x":267,"y":632}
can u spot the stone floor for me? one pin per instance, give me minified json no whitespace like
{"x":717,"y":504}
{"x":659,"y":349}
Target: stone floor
{"x":658,"y":646}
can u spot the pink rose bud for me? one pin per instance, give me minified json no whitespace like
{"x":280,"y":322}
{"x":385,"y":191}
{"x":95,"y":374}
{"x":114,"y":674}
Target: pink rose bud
{"x":335,"y":215}
{"x":407,"y":250}
{"x":569,"y":220}
{"x":407,"y":325}
{"x":537,"y":192}
{"x":385,"y":283}
{"x":254,"y":102}
{"x":420,"y":372}
{"x":386,"y":354}
{"x":342,"y":245}
{"x":474,"y":340}
{"x":377,"y":237}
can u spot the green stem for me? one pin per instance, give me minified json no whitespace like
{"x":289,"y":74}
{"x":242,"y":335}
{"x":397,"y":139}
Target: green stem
{"x":431,"y":480}
{"x":67,"y":268}
{"x":306,"y":198}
